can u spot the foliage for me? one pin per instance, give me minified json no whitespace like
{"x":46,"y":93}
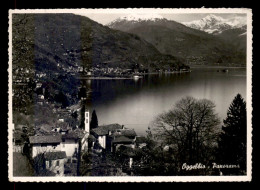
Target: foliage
{"x":94,"y":120}
{"x":232,"y":142}
{"x":189,"y":131}
{"x":103,"y":164}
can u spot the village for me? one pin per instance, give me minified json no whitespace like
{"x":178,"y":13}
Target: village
{"x":60,"y":147}
{"x":56,"y":149}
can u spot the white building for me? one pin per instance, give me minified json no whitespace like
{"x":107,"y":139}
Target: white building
{"x":55,"y":143}
{"x":101,"y":133}
{"x":54,"y":162}
{"x":43,"y":144}
{"x":70,"y":144}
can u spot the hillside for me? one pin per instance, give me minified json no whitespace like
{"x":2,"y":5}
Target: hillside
{"x":191,"y":45}
{"x":55,"y":49}
{"x":231,"y":30}
{"x":237,"y":36}
{"x":52,"y":41}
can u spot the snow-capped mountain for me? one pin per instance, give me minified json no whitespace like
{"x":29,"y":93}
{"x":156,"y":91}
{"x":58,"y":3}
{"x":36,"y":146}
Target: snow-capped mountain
{"x":126,"y":22}
{"x":138,"y":18}
{"x":215,"y":24}
{"x":178,"y":40}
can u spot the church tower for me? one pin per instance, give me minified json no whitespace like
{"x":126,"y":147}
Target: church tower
{"x":87,"y":121}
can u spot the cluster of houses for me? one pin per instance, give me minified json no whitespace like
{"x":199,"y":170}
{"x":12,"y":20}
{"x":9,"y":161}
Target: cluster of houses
{"x":58,"y":148}
{"x":61,"y":146}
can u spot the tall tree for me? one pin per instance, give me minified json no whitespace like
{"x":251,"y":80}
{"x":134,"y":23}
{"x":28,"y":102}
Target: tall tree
{"x":232,"y":142}
{"x":94,"y":120}
{"x":190,"y":129}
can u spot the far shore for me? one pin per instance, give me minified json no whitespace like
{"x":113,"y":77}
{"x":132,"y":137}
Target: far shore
{"x":130,"y":77}
{"x":106,"y":78}
{"x":216,"y":67}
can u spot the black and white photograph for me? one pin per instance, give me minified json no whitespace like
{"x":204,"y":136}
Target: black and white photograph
{"x":130,"y":95}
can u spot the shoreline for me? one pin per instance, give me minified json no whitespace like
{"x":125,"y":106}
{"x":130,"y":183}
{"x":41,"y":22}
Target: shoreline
{"x":216,"y":67}
{"x":127,"y":78}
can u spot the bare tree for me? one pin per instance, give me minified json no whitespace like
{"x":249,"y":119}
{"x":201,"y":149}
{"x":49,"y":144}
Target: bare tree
{"x":190,"y":129}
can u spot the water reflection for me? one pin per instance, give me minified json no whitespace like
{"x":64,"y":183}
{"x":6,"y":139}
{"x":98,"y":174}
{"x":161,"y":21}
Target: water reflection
{"x":135,"y":103}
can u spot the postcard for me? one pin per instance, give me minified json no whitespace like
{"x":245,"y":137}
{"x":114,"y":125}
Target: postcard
{"x":130,"y":95}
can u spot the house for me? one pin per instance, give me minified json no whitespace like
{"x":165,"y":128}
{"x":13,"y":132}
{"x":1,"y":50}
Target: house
{"x":19,"y":133}
{"x":70,"y":145}
{"x":101,"y":133}
{"x":18,"y":141}
{"x":44,"y":129}
{"x":126,"y":137}
{"x":122,"y":141}
{"x":63,"y":127}
{"x":17,"y":137}
{"x":56,"y":142}
{"x":112,"y":136}
{"x":54,"y":162}
{"x":38,"y":85}
{"x":45,"y":143}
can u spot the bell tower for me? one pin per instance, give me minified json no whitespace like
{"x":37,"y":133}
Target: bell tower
{"x":87,"y":120}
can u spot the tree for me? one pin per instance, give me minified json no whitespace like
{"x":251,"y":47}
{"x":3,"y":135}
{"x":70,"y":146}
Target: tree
{"x":105,"y":164}
{"x":62,"y":98}
{"x":232,"y":142}
{"x":190,"y":129}
{"x":94,"y":120}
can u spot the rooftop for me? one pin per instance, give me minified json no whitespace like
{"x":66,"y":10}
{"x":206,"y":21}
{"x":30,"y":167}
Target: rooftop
{"x":75,"y":107}
{"x":45,"y":139}
{"x":70,"y":135}
{"x":63,"y":126}
{"x":140,"y":140}
{"x":125,"y":132}
{"x":104,"y":129}
{"x":44,"y":128}
{"x":55,"y":155}
{"x":122,"y":139}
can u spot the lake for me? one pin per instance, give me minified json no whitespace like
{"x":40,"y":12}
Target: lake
{"x":135,"y":103}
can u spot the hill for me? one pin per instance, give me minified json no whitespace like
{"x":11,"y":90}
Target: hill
{"x":237,"y":36}
{"x":52,"y":41}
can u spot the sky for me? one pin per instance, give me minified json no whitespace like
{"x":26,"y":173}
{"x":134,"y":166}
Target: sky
{"x":105,"y":17}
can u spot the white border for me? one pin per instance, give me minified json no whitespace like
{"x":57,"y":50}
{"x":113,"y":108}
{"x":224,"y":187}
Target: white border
{"x":248,"y":177}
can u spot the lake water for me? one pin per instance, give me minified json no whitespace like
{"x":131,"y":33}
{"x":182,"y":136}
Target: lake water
{"x":135,"y":103}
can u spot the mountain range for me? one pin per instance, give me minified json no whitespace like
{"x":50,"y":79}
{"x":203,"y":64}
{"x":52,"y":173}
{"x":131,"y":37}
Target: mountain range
{"x":47,"y":41}
{"x":50,"y":41}
{"x":190,"y":44}
{"x":213,"y":24}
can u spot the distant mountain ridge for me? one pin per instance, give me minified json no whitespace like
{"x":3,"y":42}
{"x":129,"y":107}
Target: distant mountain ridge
{"x":139,"y":17}
{"x":215,"y":24}
{"x":191,"y":45}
